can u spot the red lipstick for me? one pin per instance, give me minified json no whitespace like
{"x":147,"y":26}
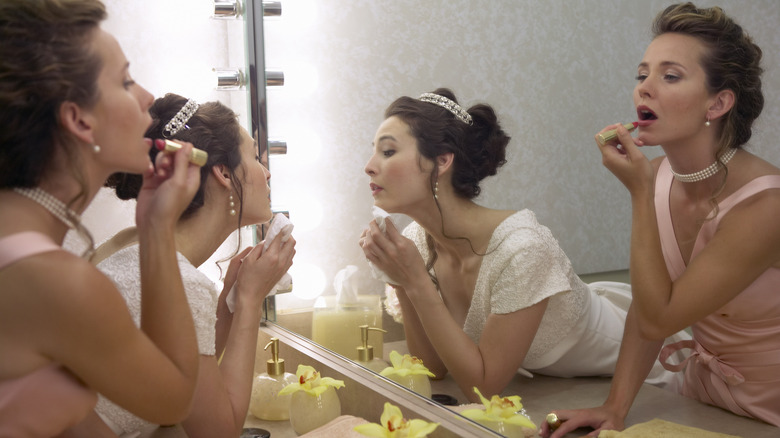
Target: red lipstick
{"x":606,"y":136}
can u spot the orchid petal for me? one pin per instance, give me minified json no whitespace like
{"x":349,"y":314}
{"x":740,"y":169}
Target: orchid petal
{"x":372,"y":429}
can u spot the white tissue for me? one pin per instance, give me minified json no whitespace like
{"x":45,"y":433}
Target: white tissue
{"x":346,"y":285}
{"x":381,"y":217}
{"x":279,"y":225}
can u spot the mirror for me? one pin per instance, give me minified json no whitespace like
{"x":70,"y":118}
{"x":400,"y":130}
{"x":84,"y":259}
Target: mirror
{"x":555,"y":72}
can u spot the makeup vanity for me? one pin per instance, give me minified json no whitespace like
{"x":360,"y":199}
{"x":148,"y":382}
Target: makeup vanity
{"x":366,"y":392}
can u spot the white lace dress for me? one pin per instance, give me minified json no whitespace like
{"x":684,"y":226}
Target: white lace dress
{"x":123,"y":268}
{"x":581,"y":330}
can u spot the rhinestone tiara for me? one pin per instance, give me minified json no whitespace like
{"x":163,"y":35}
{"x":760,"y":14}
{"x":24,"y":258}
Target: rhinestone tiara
{"x":180,"y":119}
{"x":447,"y":104}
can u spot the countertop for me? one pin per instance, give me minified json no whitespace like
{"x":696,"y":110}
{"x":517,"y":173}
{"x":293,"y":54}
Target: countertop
{"x":542,"y":394}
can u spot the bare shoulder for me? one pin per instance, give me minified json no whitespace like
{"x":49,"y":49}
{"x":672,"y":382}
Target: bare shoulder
{"x":54,"y":299}
{"x":495,"y":217}
{"x":656,"y":162}
{"x":754,"y":220}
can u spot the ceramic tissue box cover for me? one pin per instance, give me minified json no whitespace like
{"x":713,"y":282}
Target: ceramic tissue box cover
{"x":409,"y":372}
{"x":314,"y":400}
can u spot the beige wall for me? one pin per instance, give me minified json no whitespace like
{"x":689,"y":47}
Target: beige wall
{"x":556,"y":71}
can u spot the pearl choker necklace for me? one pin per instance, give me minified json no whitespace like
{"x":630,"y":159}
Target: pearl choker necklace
{"x":705,"y":173}
{"x":52,"y":204}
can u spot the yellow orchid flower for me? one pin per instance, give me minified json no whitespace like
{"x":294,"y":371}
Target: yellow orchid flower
{"x":394,"y":425}
{"x":505,"y":409}
{"x":405,"y":365}
{"x":309,"y":380}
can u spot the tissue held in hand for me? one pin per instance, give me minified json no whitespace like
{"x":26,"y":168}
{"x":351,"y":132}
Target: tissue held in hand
{"x":279,"y":225}
{"x":381,"y":217}
{"x":336,"y":320}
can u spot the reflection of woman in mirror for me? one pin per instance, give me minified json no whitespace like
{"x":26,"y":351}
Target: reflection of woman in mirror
{"x":71,"y":115}
{"x":483,"y":292}
{"x":705,"y":248}
{"x":233,"y":192}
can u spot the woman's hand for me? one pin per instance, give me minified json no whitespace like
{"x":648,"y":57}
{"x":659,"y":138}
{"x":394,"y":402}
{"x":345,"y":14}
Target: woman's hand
{"x":624,"y":159}
{"x":232,"y":272}
{"x":259,"y":270}
{"x":393,"y":253}
{"x":168,"y":188}
{"x":600,"y":418}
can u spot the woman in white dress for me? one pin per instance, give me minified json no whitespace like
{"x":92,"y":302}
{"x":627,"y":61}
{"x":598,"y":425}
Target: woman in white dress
{"x":233,"y":192}
{"x":483,"y":293}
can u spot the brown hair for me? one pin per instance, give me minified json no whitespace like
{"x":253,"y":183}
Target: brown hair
{"x":46,"y":58}
{"x":213,"y":128}
{"x":478,"y":149}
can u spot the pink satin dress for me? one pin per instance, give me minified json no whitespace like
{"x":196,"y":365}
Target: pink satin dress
{"x":734,"y":361}
{"x":50,"y":399}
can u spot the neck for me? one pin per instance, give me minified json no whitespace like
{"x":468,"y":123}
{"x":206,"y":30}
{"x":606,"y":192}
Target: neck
{"x":200,"y":235}
{"x":461,"y":219}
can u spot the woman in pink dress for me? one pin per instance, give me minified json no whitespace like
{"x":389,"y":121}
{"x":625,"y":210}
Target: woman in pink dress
{"x":705,"y":248}
{"x":70,"y":116}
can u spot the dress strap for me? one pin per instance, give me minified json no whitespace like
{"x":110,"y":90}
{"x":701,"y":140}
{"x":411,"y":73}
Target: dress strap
{"x":18,"y":246}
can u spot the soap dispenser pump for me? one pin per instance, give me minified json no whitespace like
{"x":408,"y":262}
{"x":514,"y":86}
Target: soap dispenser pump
{"x":366,"y":352}
{"x":265,"y":403}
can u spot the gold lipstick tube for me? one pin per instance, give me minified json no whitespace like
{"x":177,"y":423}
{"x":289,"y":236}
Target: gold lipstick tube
{"x":197,"y":156}
{"x":606,"y":136}
{"x":553,"y":421}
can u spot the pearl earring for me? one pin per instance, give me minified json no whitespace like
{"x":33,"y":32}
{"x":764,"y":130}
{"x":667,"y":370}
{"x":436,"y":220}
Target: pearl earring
{"x":436,"y":190}
{"x":96,"y":149}
{"x":232,"y":205}
{"x":707,"y":123}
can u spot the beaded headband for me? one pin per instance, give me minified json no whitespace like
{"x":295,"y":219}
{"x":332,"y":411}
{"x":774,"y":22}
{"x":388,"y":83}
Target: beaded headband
{"x":180,"y":119}
{"x":447,"y":104}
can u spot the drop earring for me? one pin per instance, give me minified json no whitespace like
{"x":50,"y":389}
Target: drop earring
{"x":96,"y":149}
{"x":707,"y":123}
{"x":436,"y":190}
{"x":232,"y":205}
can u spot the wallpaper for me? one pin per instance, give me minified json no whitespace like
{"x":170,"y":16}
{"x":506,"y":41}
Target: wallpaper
{"x":556,"y":72}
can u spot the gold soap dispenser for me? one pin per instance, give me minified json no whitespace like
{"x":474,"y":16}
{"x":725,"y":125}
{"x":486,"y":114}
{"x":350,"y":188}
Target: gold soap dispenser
{"x":266,"y":403}
{"x":366,"y":352}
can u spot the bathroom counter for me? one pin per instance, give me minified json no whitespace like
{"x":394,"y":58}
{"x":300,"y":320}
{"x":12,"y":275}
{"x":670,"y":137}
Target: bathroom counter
{"x":542,"y":394}
{"x":364,"y":397}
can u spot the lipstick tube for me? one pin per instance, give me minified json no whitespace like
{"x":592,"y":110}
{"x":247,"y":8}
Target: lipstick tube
{"x":553,"y":421}
{"x":606,"y":136}
{"x":197,"y":156}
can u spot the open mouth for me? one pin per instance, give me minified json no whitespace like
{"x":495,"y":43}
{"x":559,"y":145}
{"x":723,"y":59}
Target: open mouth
{"x":646,"y":114}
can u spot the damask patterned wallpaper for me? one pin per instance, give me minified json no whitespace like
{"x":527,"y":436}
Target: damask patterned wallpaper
{"x":556,"y":71}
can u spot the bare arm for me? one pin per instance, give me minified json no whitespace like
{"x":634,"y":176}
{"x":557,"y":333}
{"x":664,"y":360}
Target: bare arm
{"x":635,"y":360}
{"x":92,"y":426}
{"x":435,"y":336}
{"x":222,"y":396}
{"x":747,"y":241}
{"x":417,"y":340}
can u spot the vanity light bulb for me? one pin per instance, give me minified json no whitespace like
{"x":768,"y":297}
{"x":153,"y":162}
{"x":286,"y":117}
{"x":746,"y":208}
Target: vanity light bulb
{"x":306,"y":147}
{"x":308,"y":280}
{"x":306,"y":210}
